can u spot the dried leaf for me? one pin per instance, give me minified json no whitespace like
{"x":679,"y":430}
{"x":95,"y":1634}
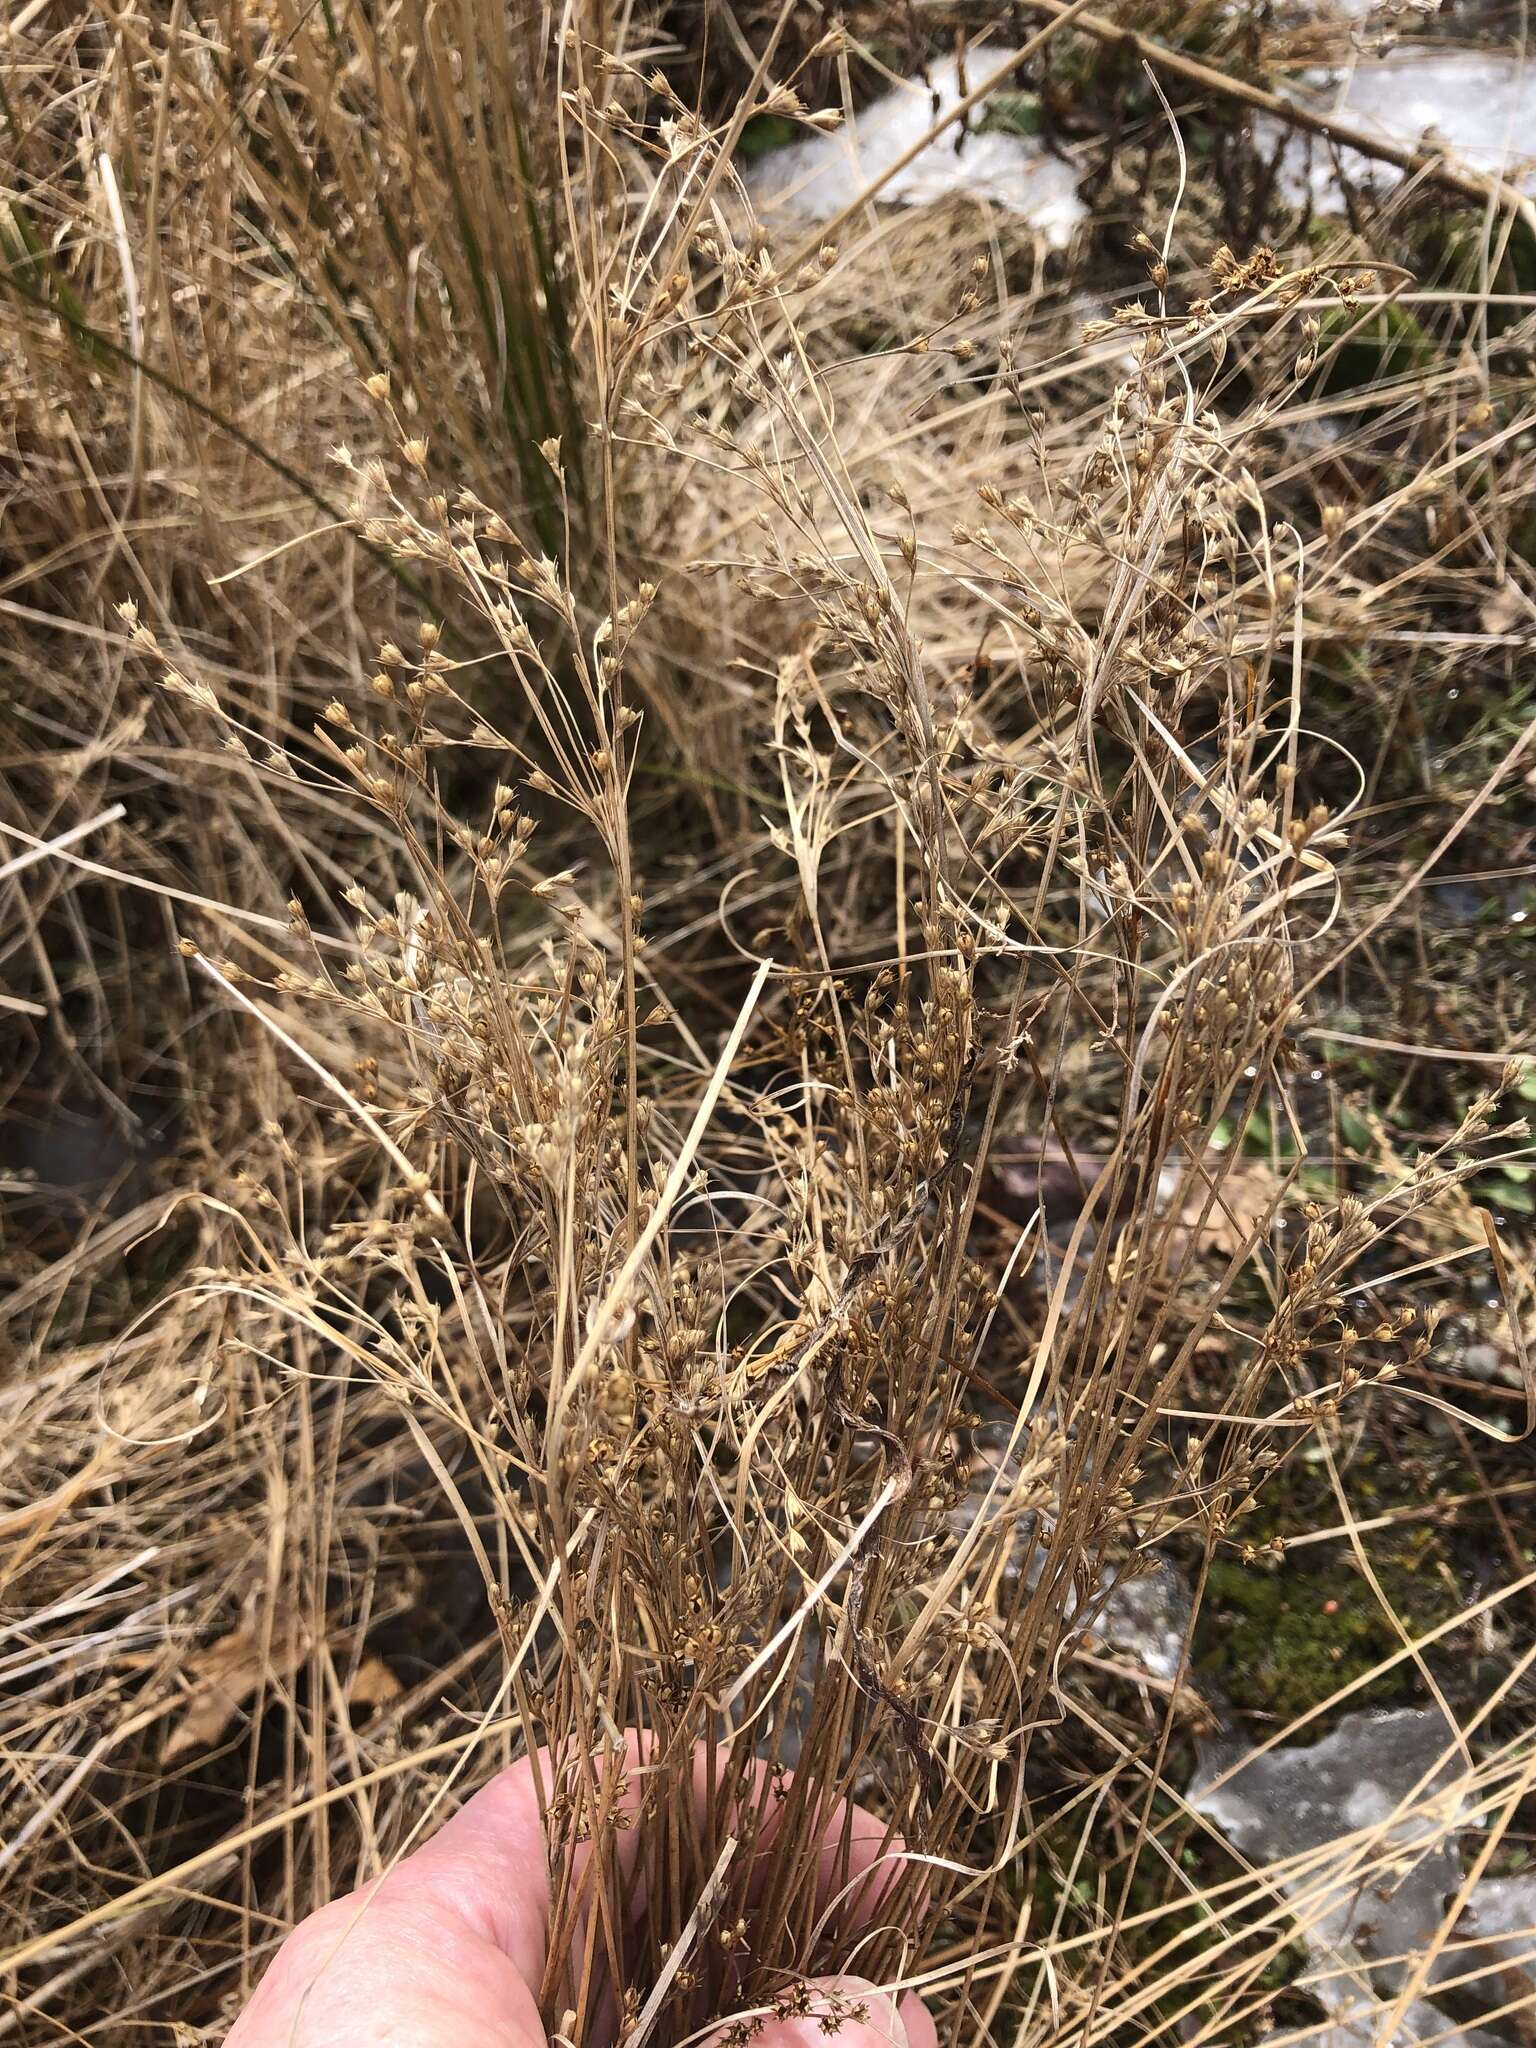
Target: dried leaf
{"x":1504,"y":609}
{"x":373,"y":1683}
{"x":223,"y":1677}
{"x":1245,"y":1200}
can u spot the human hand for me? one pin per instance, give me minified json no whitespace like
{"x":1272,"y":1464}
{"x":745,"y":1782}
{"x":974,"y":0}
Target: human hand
{"x":448,"y":1950}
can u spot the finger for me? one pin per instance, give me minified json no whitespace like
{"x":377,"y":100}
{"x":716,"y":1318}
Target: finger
{"x":849,"y":2011}
{"x":859,"y":1859}
{"x":489,"y":1865}
{"x":490,"y":1861}
{"x":918,"y":2021}
{"x":372,"y":1969}
{"x":484,"y":1877}
{"x":853,"y":1842}
{"x":457,"y":1929}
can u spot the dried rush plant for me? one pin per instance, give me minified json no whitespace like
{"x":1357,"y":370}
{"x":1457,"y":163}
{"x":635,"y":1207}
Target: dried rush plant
{"x":793,"y":1478}
{"x":706,"y":1313}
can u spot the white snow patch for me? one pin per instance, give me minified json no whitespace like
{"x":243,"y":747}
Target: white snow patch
{"x":825,"y":173}
{"x":1479,"y":106}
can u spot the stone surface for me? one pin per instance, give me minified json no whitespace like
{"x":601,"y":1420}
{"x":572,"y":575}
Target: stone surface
{"x":1394,"y":1779}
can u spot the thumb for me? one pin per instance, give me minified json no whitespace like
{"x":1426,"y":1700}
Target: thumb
{"x":849,"y":2012}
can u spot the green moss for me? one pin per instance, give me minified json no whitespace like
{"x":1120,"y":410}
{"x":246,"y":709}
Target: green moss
{"x":1010,"y":113}
{"x":1281,"y":1636}
{"x":763,"y":134}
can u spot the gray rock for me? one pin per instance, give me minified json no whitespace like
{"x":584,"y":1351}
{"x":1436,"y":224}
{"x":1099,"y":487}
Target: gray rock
{"x":1395,"y":1779}
{"x":1146,"y":1618}
{"x":1491,"y":1956}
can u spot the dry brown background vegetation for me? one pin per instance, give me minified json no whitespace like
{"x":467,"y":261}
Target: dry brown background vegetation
{"x":741,"y":961}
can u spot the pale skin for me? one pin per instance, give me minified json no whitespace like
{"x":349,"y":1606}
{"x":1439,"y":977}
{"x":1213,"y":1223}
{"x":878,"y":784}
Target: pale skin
{"x":448,"y":1949}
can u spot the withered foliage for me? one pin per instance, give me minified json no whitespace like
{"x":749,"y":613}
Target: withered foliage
{"x":693,"y":913}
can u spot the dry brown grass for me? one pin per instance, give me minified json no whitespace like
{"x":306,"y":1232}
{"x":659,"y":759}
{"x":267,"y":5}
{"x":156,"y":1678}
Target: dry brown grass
{"x":714,"y":840}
